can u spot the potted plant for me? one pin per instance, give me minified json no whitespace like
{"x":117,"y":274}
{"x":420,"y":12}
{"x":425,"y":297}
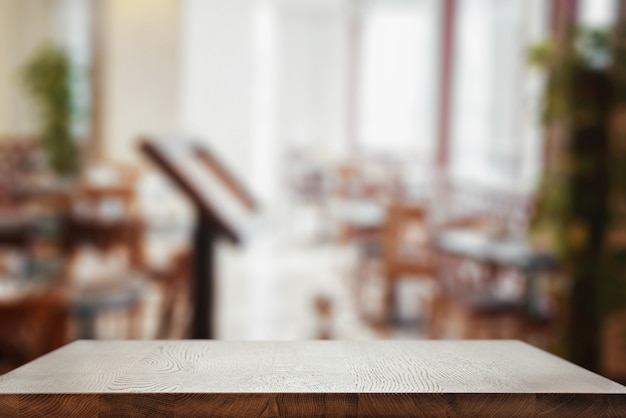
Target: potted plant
{"x":46,"y":78}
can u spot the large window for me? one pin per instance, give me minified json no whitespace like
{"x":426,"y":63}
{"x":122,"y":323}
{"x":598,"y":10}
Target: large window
{"x":73,"y":32}
{"x":495,"y":131}
{"x":599,"y":14}
{"x":495,"y":134}
{"x":397,"y":83}
{"x":393,"y":83}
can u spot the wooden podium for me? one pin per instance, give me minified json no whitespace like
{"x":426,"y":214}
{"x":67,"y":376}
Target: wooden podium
{"x":223,"y":209}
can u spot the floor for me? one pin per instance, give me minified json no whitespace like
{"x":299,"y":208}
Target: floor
{"x":271,"y":287}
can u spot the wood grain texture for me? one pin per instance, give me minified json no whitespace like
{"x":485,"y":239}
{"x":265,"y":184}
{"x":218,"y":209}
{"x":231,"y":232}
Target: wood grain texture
{"x":316,"y":378}
{"x":58,"y":405}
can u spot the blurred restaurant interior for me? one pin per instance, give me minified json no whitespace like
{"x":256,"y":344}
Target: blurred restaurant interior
{"x":314,"y":169}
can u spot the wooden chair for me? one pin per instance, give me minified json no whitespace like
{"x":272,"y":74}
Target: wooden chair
{"x":363,"y":185}
{"x":407,"y":253}
{"x":32,"y":326}
{"x":175,"y":307}
{"x":17,"y":159}
{"x":470,"y":285}
{"x":104,"y":213}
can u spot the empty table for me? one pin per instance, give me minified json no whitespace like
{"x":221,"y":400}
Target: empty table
{"x":321,"y":378}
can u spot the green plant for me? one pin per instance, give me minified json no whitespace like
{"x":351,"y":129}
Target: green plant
{"x":584,"y":185}
{"x":46,"y":78}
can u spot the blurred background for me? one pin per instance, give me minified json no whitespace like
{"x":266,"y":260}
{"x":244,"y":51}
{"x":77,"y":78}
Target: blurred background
{"x":419,"y":169}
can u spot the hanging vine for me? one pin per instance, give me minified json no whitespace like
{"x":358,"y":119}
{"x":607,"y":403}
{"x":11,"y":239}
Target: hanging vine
{"x":581,"y":198}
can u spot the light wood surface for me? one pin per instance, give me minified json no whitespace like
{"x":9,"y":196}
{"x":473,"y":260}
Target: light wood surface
{"x":316,"y":378}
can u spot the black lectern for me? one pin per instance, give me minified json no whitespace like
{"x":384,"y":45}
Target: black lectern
{"x":223,"y":208}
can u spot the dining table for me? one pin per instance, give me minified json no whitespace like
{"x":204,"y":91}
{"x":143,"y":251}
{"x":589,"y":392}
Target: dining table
{"x":497,"y":252}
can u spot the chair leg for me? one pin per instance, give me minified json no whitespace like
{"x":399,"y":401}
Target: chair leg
{"x":389,"y":300}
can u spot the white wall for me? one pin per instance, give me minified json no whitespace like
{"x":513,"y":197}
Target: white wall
{"x":217,"y":78}
{"x":140,"y":58}
{"x":140,"y":73}
{"x":24,"y":26}
{"x":314,"y":60}
{"x":261,"y":76}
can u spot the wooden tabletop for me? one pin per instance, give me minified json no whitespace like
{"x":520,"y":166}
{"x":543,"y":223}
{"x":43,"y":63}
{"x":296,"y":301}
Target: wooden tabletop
{"x":320,"y":378}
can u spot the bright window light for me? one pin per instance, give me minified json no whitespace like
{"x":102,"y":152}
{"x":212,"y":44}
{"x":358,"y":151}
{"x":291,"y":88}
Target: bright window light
{"x":397,"y":83}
